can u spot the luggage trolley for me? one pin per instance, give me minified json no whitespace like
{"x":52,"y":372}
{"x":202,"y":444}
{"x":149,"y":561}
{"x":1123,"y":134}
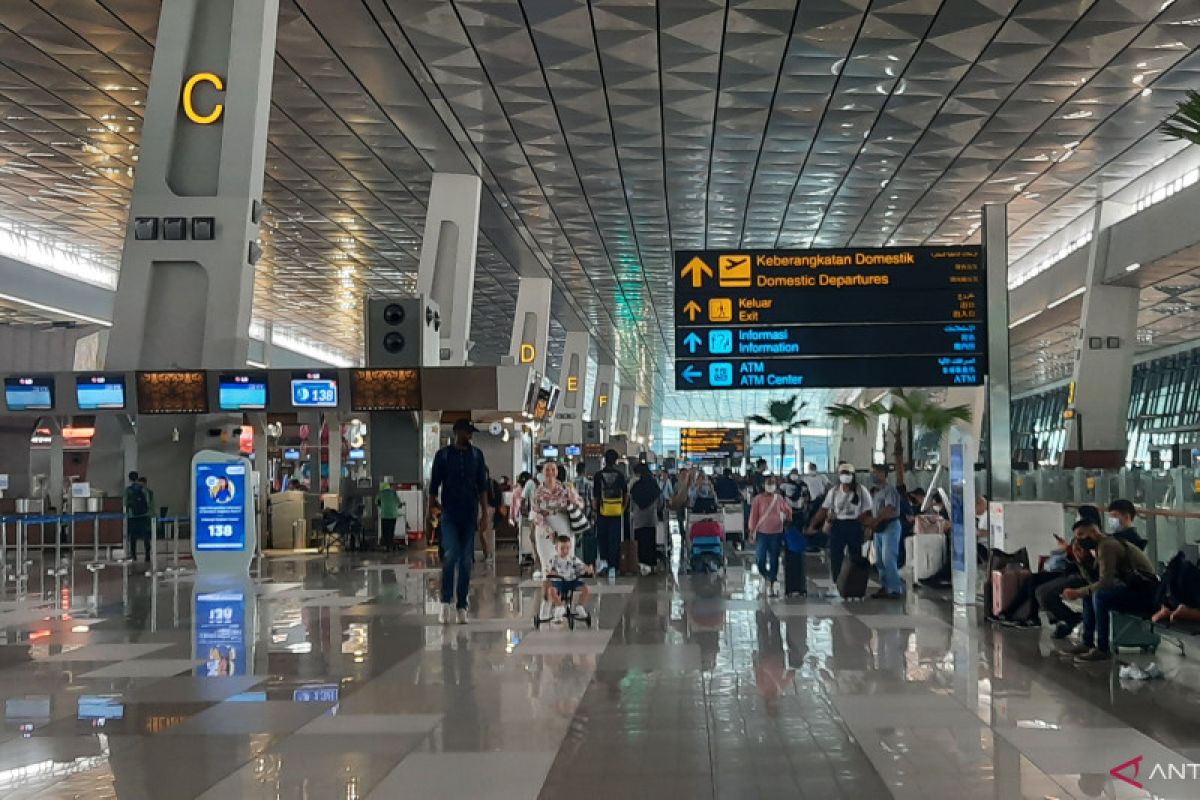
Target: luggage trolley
{"x":705,"y":542}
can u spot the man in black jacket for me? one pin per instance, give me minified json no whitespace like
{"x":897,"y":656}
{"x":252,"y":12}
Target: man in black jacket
{"x":1121,"y":514}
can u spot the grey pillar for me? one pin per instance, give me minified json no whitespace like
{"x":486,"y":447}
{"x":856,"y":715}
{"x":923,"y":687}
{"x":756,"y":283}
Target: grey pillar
{"x":531,"y":324}
{"x":603,"y":397}
{"x":185,"y":301}
{"x":568,"y":420}
{"x":447,"y":270}
{"x":1103,"y":363}
{"x":334,"y":423}
{"x":999,"y":384}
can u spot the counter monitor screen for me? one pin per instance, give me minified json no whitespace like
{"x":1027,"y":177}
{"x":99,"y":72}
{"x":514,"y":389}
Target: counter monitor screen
{"x":314,"y":390}
{"x":549,"y":452}
{"x":100,"y":392}
{"x":23,"y":393}
{"x":574,"y":451}
{"x":357,"y":454}
{"x":243,"y":391}
{"x":291,"y":455}
{"x":385,"y":389}
{"x":172,"y":393}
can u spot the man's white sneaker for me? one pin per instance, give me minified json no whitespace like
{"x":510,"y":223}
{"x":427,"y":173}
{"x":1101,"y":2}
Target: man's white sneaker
{"x":537,"y":574}
{"x":447,"y":613}
{"x":462,"y":616}
{"x":580,"y":612}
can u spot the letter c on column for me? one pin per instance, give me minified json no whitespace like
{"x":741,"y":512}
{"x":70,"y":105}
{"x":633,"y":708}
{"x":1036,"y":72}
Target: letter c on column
{"x":189,"y":108}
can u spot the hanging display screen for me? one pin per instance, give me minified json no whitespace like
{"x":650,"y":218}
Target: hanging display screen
{"x":172,"y":393}
{"x":100,"y":392}
{"x":385,"y":389}
{"x":791,"y":319}
{"x":244,"y":391}
{"x":29,"y":393}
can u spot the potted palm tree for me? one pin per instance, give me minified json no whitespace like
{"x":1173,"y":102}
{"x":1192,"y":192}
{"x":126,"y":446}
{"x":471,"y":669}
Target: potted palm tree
{"x":782,"y":417}
{"x":1184,"y":124}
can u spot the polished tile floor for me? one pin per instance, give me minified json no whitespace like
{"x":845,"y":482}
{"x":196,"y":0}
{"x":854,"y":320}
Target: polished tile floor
{"x":330,"y":678}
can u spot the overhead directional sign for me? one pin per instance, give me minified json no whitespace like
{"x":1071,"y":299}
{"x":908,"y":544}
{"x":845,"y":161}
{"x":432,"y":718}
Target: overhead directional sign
{"x":707,"y":443}
{"x":874,"y":317}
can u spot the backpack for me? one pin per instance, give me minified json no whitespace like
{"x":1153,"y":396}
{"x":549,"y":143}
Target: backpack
{"x":645,"y":493}
{"x":139,"y":502}
{"x":612,"y":498}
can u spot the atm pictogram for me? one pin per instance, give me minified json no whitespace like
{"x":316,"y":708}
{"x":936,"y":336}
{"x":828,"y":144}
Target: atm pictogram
{"x":734,"y":271}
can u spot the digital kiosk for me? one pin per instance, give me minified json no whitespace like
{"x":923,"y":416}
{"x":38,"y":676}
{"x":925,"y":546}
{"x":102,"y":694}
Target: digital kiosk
{"x":962,"y":517}
{"x":224,"y":540}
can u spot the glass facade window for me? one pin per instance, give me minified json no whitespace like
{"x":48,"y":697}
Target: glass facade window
{"x":1163,"y":419}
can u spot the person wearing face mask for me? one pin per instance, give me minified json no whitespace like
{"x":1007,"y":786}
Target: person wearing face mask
{"x":847,"y":506}
{"x":885,"y":524}
{"x":769,"y":515}
{"x":818,"y":486}
{"x":1119,"y":522}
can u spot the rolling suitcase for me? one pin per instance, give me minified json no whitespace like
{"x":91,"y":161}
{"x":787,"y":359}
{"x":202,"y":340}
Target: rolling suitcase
{"x":629,"y":559}
{"x":794,"y":580}
{"x":1005,"y":585}
{"x":925,"y":554}
{"x":852,"y":580}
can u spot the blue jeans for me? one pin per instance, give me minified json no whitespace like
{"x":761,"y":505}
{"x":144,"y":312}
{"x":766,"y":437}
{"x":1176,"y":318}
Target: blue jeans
{"x":458,"y":541}
{"x":766,"y":552}
{"x":1135,"y":600}
{"x":887,"y":554}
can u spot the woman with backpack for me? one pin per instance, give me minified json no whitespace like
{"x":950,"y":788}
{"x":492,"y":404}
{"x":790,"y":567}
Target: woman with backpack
{"x":646,"y":501}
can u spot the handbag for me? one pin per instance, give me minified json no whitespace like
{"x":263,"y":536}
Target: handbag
{"x":577,"y":519}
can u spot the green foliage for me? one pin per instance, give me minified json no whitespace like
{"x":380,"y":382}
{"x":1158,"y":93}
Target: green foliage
{"x":1185,"y":122}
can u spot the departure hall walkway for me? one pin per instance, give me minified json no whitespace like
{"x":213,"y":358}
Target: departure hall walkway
{"x":689,"y":688}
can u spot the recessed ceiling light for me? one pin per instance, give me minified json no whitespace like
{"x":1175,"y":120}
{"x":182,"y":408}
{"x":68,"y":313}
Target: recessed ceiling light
{"x":1134,"y":267}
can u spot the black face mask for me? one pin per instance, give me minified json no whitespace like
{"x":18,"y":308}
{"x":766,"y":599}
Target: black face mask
{"x":1088,"y":544}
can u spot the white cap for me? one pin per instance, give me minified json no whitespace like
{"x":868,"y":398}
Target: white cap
{"x":846,"y":466}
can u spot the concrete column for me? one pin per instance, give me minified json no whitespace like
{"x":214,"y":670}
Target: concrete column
{"x":184,"y":300}
{"x":334,"y":423}
{"x":531,"y":324}
{"x":1103,"y":364}
{"x":447,"y":269}
{"x":54,"y":481}
{"x":186,"y":285}
{"x":626,"y":405}
{"x":604,"y":395}
{"x":313,"y":420}
{"x":568,"y":420}
{"x":999,"y":383}
{"x":641,"y":428}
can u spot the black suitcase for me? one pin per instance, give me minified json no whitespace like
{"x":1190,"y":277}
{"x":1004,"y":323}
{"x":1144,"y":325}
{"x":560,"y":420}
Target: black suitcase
{"x":647,"y":544}
{"x":852,"y":581}
{"x":794,"y":580}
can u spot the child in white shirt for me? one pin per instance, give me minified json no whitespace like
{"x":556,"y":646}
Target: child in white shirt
{"x":563,"y":572}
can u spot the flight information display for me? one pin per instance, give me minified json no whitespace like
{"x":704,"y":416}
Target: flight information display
{"x":870,"y":317}
{"x":100,"y":392}
{"x":29,"y":393}
{"x":314,"y":390}
{"x":246,"y":391}
{"x":712,"y":443}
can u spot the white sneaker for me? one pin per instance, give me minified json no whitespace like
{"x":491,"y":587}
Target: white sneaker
{"x":645,"y":569}
{"x":462,"y":616}
{"x":447,"y":613}
{"x":581,"y":613}
{"x":560,"y":612}
{"x":537,"y":574}
{"x":601,"y":567}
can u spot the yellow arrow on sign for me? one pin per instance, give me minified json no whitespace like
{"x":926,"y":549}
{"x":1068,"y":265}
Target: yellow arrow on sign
{"x":697,"y":269}
{"x":691,"y":309}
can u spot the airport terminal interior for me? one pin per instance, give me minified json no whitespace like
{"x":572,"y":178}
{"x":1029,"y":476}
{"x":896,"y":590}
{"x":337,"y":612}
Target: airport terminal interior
{"x":517,"y":399}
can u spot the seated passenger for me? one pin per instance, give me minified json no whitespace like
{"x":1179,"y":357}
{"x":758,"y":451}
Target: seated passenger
{"x":1045,"y":590}
{"x":1121,"y":514}
{"x":1124,"y":581}
{"x":1179,"y":593}
{"x":563,"y":573}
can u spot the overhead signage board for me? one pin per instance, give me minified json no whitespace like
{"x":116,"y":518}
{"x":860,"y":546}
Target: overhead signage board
{"x":712,"y":443}
{"x":869,"y":317}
